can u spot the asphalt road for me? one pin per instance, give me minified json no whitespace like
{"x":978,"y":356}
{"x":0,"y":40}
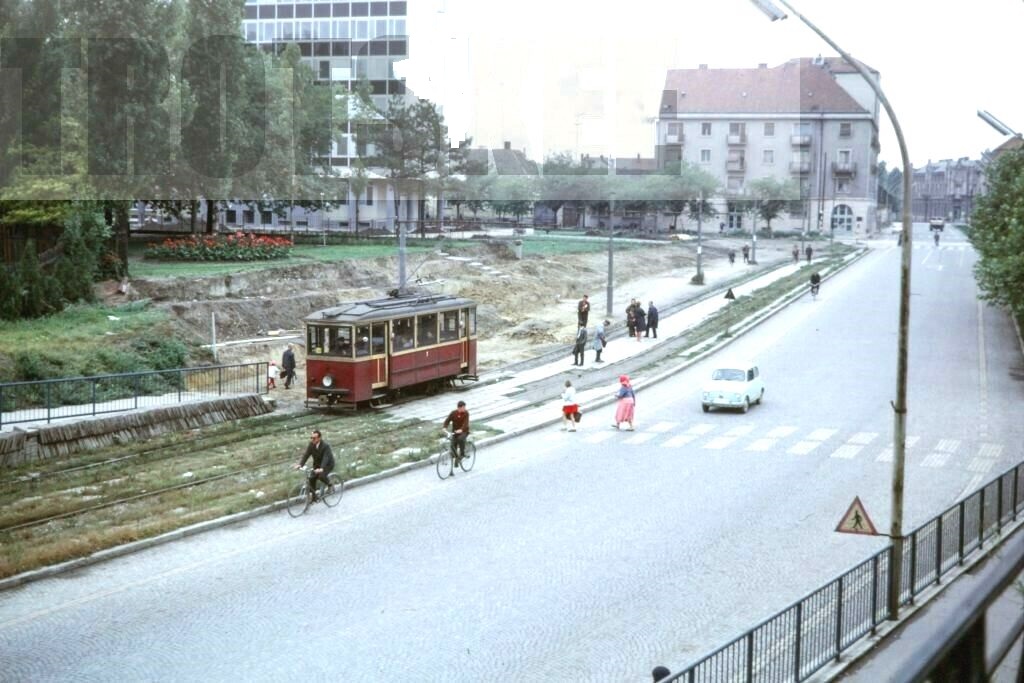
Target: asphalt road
{"x":586,"y":556}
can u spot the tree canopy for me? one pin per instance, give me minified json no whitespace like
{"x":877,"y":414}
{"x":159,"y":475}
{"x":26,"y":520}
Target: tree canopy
{"x":997,"y":233}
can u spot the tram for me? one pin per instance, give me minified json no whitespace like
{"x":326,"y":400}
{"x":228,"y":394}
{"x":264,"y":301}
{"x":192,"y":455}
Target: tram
{"x":369,"y":351}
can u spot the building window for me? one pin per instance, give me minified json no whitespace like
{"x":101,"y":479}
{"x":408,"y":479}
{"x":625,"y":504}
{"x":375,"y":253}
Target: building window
{"x":285,"y":11}
{"x":705,"y":156}
{"x":266,"y":218}
{"x":845,"y":156}
{"x":705,"y":129}
{"x":735,"y":215}
{"x":325,"y":69}
{"x":737,"y":128}
{"x":844,"y":130}
{"x":769,"y":130}
{"x":321,"y":11}
{"x":735,"y":184}
{"x":802,"y":128}
{"x":768,"y":157}
{"x":231,"y":216}
{"x":286,"y":30}
{"x":842,"y":186}
{"x":249,"y":216}
{"x":340,"y":9}
{"x":303,"y":11}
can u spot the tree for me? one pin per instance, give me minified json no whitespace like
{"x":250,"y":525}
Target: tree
{"x":358,"y":182}
{"x":773,"y":197}
{"x":997,"y":233}
{"x":40,"y":293}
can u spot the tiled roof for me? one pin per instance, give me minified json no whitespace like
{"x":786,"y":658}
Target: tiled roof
{"x":797,"y":87}
{"x":513,"y":162}
{"x":636,"y":166}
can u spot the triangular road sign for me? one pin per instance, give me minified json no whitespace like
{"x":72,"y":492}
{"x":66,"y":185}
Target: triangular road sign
{"x":856,"y":520}
{"x":729,"y":295}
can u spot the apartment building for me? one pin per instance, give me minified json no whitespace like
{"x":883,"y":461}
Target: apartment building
{"x":814,"y":121}
{"x":947,"y":189}
{"x":344,"y":43}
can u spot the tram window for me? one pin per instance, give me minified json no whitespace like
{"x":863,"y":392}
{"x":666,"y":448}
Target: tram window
{"x":472,"y":321}
{"x":449,"y":326}
{"x":341,"y":342}
{"x":403,"y":332}
{"x":426,"y":330}
{"x":329,"y":341}
{"x":362,"y":341}
{"x":378,"y":346}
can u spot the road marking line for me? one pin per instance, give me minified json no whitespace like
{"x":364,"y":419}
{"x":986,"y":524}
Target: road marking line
{"x":912,"y":441}
{"x":821,"y":434}
{"x":846,"y":452}
{"x":948,"y":445}
{"x":742,"y":430}
{"x":664,"y":427}
{"x":680,"y":440}
{"x":804,"y":447}
{"x":886,"y":455}
{"x":990,"y":450}
{"x":700,"y":429}
{"x":598,"y":437}
{"x":761,"y":445}
{"x":641,"y":438}
{"x":719,"y":443}
{"x":972,"y":485}
{"x":781,"y":432}
{"x":980,"y":465}
{"x":863,"y":438}
{"x":936,"y":460}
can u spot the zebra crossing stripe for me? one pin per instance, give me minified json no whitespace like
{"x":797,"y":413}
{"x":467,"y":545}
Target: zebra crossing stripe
{"x":936,"y":460}
{"x":663,"y":427}
{"x":948,"y":445}
{"x":641,"y":438}
{"x":700,"y":429}
{"x":972,"y":485}
{"x":846,"y":451}
{"x":862,"y":438}
{"x":719,"y":443}
{"x":740,"y":431}
{"x":885,"y":456}
{"x":821,"y":434}
{"x":761,"y":445}
{"x":680,"y":440}
{"x":990,"y":450}
{"x":598,"y":437}
{"x":804,"y":447}
{"x":912,"y":441}
{"x":980,"y":465}
{"x":781,"y":432}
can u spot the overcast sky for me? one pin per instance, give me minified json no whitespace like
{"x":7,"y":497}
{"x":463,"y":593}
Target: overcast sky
{"x":575,"y":75}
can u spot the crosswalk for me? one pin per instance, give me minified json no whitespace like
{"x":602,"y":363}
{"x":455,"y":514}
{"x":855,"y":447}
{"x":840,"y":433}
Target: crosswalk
{"x":791,"y":441}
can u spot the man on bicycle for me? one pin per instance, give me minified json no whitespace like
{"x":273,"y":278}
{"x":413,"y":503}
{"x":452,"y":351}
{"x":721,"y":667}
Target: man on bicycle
{"x":815,"y":283}
{"x":323,"y":461}
{"x":459,"y":420}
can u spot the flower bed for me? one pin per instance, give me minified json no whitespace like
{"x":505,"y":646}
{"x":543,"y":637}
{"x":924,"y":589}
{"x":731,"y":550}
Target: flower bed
{"x":237,"y":247}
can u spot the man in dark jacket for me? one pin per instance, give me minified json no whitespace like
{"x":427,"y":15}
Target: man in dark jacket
{"x":652,"y":320}
{"x":459,"y":421}
{"x":579,"y":346}
{"x":288,"y":366}
{"x":583,"y":311}
{"x":323,"y":461}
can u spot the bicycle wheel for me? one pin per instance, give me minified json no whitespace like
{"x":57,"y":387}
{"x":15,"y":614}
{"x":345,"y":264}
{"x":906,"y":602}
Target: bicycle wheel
{"x":298,"y":500}
{"x":444,"y":462}
{"x":332,"y":493}
{"x":469,"y":459}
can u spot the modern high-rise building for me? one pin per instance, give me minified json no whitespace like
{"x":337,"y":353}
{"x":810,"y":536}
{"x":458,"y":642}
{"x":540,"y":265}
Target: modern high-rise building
{"x":812,"y":121}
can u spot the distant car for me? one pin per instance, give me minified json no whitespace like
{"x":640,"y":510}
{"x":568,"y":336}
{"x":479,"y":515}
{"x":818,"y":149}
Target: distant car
{"x":937,"y":224}
{"x":734,"y":385}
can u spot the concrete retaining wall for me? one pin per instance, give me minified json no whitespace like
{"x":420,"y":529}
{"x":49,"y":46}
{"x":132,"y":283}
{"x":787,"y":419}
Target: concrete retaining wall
{"x":53,"y":441}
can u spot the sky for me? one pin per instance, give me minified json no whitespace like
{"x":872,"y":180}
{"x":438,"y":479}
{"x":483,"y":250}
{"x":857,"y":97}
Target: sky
{"x":584,"y":76}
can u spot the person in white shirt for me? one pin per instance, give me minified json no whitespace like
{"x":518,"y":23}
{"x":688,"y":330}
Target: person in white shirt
{"x":569,"y":407}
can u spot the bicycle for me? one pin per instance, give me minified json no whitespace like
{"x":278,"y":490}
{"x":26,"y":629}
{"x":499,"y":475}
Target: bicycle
{"x":446,"y":464}
{"x":936,"y":236}
{"x":300,"y":499}
{"x":814,"y":291}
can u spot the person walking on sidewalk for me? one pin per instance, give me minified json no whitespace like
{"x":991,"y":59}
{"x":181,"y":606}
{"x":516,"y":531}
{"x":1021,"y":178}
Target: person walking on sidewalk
{"x":583,"y":311}
{"x":746,"y":253}
{"x":796,"y":254}
{"x":652,"y":320}
{"x":288,"y":365}
{"x":732,"y":256}
{"x":580,"y":346}
{"x":631,"y":318}
{"x":569,"y":407}
{"x":641,"y":319}
{"x":600,"y":339}
{"x":809,"y":252}
{"x":626,"y":405}
{"x":273,"y":374}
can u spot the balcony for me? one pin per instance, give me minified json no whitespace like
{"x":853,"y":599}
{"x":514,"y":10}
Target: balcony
{"x":800,"y":140}
{"x":673,"y":139}
{"x":735,"y":165}
{"x":737,"y":139}
{"x":844,"y":168}
{"x":801,"y":167}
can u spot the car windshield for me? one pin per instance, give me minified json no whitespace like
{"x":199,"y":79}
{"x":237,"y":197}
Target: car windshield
{"x":729,"y":375}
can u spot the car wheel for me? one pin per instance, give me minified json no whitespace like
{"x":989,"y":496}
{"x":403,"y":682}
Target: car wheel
{"x":746,"y":405}
{"x":760,"y":399}
{"x":706,"y":407}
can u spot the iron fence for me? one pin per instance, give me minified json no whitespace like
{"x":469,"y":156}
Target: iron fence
{"x":802,"y":638}
{"x":57,"y":399}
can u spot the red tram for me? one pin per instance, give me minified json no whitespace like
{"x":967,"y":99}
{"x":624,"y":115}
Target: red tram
{"x":367,"y":350}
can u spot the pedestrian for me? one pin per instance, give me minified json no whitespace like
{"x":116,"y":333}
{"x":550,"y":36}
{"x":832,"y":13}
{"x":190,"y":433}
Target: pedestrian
{"x":652,"y":320}
{"x":732,"y":257}
{"x":600,"y":339}
{"x":579,"y":346}
{"x":273,"y":373}
{"x":721,"y":228}
{"x":808,"y":251}
{"x":583,"y":311}
{"x":626,"y":404}
{"x":288,"y":365}
{"x":746,"y":253}
{"x":641,"y":319}
{"x":630,"y":319}
{"x":796,"y":254}
{"x":569,"y":407}
{"x":660,"y":672}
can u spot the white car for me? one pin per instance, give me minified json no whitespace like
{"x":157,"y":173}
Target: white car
{"x":734,"y":385}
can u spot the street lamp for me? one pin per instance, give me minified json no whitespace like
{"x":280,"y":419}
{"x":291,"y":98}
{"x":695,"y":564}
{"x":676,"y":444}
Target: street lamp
{"x":900,"y":405}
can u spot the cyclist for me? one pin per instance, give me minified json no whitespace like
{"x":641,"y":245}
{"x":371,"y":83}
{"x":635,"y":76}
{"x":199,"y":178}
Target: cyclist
{"x":815,"y":283}
{"x":459,"y":420}
{"x":935,"y":234}
{"x":323,"y":461}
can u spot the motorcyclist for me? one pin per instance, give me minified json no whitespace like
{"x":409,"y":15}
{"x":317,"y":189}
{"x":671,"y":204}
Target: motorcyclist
{"x":815,"y":283}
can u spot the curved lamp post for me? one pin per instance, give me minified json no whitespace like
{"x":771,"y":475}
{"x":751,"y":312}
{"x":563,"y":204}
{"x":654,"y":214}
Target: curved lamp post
{"x":900,"y":405}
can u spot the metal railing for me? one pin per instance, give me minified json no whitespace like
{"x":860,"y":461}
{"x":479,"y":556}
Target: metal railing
{"x":57,"y":399}
{"x":796,"y":642}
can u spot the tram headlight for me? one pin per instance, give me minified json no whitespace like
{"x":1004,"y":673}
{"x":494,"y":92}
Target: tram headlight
{"x":327,"y":381}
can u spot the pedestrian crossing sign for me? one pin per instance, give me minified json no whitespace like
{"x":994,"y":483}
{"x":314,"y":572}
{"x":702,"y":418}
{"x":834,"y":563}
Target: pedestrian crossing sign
{"x":856,"y":520}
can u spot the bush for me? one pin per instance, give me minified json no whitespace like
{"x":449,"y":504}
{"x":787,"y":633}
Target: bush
{"x":236,"y":247}
{"x":10,"y":305}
